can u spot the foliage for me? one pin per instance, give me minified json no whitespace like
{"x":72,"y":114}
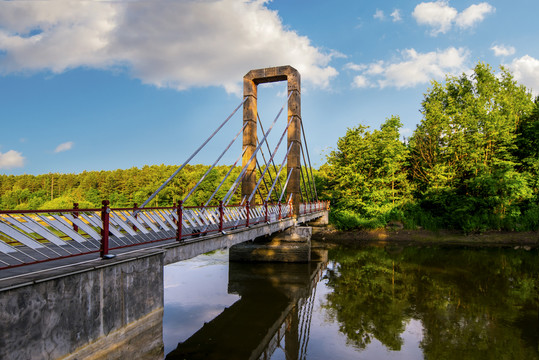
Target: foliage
{"x":366,"y":172}
{"x":122,"y":188}
{"x":472,"y":163}
{"x":467,"y":301}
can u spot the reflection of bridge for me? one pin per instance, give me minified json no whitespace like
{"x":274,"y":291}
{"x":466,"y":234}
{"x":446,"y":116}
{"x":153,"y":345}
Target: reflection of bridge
{"x":49,"y":256}
{"x":276,"y":304}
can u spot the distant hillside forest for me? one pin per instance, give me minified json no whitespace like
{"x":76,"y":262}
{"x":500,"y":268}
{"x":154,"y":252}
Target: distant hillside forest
{"x":471,"y":164}
{"x":123,"y":188}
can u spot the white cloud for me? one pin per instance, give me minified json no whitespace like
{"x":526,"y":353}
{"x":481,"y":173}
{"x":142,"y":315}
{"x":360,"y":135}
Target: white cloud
{"x":179,"y":45}
{"x":379,"y":14}
{"x":396,"y":15}
{"x":440,"y":16}
{"x":355,"y":67}
{"x":502,"y":50}
{"x":360,"y":81}
{"x":412,"y":69}
{"x":526,"y":72}
{"x":64,"y":147}
{"x":474,"y":14}
{"x":11,"y":159}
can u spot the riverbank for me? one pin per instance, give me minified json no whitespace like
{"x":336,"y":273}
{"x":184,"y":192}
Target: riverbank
{"x":529,"y":239}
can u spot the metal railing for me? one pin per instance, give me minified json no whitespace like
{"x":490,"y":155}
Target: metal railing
{"x":35,"y":236}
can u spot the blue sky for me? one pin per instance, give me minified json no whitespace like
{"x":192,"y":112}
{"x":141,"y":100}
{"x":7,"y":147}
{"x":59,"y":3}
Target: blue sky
{"x":94,"y":85}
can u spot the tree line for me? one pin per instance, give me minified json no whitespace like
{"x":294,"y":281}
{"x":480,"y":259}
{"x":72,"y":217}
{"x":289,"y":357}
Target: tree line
{"x":472,"y":163}
{"x":124,"y":188}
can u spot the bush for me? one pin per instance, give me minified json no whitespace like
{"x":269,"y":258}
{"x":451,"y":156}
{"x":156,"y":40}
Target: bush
{"x":349,"y":220}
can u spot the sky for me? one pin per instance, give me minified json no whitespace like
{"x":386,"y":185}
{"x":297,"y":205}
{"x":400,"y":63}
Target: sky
{"x":104,"y":85}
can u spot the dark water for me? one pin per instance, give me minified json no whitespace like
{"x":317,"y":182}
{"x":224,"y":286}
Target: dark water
{"x":367,"y":303}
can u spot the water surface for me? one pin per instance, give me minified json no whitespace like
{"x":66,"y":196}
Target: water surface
{"x":366,"y":303}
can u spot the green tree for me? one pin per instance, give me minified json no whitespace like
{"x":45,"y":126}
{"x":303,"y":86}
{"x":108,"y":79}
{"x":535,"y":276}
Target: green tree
{"x":462,"y":154}
{"x":367,"y":174}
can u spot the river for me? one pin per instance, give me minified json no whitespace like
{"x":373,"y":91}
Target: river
{"x":373,"y":302}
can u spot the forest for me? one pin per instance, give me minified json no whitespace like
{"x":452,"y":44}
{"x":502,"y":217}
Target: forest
{"x":124,"y":188}
{"x":471,"y":164}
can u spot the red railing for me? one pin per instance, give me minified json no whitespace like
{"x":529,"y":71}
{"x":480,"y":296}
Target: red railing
{"x":35,"y":236}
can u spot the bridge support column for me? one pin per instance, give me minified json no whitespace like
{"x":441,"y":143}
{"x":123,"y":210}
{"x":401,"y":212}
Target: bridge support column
{"x":250,"y":83}
{"x":291,"y":245}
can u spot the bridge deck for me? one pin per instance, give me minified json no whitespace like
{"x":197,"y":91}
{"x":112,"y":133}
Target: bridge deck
{"x":190,"y":246}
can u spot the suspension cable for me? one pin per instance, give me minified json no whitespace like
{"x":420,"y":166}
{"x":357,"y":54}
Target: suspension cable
{"x":213,"y":165}
{"x":279,"y":173}
{"x":265,"y":163}
{"x":257,"y":148}
{"x":226,"y":177}
{"x":272,"y":155}
{"x":307,"y":175}
{"x":267,"y":146}
{"x":309,"y":158}
{"x":264,"y":180}
{"x":286,"y":184}
{"x":303,"y":180}
{"x":191,"y":157}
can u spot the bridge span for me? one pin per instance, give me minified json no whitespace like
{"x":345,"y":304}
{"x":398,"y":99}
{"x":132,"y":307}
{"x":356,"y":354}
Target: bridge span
{"x":63,"y":306}
{"x":69,"y":277}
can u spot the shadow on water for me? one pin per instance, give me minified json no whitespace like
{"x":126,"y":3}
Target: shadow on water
{"x":275,"y":304}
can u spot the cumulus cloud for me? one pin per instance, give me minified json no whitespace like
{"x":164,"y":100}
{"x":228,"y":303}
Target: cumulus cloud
{"x":473,"y":15}
{"x":440,"y":16}
{"x":379,"y":14}
{"x":11,"y":159}
{"x":179,"y":45}
{"x":396,"y":15}
{"x":502,"y":50}
{"x":354,"y":67}
{"x":413,"y":68}
{"x":526,"y":72}
{"x":64,"y":147}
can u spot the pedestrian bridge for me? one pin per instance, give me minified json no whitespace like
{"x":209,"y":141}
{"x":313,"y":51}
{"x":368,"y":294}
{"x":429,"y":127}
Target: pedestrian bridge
{"x":71,"y":277}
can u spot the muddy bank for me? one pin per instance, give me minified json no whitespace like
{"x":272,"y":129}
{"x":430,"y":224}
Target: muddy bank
{"x":425,"y":237}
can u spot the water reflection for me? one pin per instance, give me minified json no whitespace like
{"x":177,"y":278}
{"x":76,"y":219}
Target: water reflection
{"x":370,"y":303}
{"x":472,"y":304}
{"x":274,"y":308}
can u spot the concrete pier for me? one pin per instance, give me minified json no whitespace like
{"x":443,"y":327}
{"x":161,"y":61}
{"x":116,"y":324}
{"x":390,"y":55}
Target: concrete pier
{"x":61,"y":314}
{"x":291,"y":245}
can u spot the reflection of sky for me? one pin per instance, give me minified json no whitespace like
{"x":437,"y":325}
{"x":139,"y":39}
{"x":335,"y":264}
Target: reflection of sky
{"x":326,"y":342}
{"x":195,"y":292}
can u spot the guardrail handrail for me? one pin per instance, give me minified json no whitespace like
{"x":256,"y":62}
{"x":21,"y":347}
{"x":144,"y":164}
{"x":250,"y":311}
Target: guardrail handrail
{"x":34,"y":236}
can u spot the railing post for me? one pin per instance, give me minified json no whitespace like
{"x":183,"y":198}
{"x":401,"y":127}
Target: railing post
{"x":280,"y":215}
{"x":105,"y":210}
{"x":221,"y":213}
{"x":179,"y":213}
{"x":75,"y":215}
{"x":135,"y":206}
{"x":291,"y":209}
{"x":247,"y":208}
{"x":266,"y":211}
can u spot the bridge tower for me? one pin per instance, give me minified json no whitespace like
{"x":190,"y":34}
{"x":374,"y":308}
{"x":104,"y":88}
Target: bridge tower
{"x":250,"y":83}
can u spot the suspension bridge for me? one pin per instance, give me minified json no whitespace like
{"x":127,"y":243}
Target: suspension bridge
{"x":45,"y":250}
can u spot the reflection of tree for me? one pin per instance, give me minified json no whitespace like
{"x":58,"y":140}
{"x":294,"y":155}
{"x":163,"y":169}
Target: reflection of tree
{"x":369,"y":298}
{"x":473,"y":304}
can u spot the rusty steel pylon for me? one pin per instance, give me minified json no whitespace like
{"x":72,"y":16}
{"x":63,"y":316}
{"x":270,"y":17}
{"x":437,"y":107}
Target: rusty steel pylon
{"x":250,"y":83}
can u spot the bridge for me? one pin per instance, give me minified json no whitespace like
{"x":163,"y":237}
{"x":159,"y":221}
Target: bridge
{"x":64,"y":260}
